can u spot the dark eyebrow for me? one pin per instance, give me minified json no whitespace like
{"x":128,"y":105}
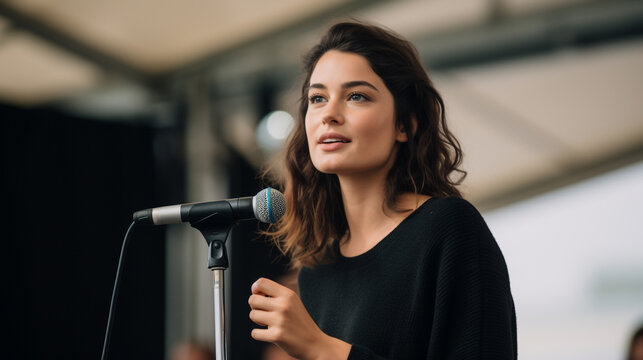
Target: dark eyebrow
{"x":346,"y":85}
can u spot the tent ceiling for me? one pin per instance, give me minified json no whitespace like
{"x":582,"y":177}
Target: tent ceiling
{"x":525,"y":123}
{"x":142,"y":39}
{"x":157,"y":36}
{"x":545,"y":117}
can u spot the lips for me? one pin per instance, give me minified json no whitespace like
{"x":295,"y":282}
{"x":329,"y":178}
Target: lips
{"x":333,"y":138}
{"x":332,"y":141}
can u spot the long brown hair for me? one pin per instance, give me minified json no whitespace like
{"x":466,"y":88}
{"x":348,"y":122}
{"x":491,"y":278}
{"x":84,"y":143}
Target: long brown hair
{"x":315,"y":218}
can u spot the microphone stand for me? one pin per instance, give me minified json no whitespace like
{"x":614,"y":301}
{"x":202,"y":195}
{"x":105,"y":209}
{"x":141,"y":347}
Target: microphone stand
{"x":216,"y":228}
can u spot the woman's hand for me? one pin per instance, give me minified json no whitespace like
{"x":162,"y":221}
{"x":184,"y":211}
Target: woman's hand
{"x":289,"y":325}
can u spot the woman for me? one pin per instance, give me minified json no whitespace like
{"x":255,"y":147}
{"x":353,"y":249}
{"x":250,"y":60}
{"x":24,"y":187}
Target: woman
{"x":635,"y":348}
{"x":394,"y":264}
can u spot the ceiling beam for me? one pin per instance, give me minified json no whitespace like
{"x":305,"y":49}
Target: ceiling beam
{"x":572,"y":174}
{"x":505,"y":37}
{"x":103,"y":60}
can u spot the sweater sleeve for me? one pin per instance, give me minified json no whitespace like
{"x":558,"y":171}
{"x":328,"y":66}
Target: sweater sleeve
{"x":474,"y":316}
{"x":473,"y":311}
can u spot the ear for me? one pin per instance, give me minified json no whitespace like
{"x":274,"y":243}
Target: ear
{"x":402,"y":134}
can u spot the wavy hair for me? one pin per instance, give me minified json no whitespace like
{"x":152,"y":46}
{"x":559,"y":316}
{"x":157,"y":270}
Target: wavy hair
{"x":315,"y":220}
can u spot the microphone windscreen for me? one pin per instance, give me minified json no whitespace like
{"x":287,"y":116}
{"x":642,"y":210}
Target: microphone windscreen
{"x":270,"y":205}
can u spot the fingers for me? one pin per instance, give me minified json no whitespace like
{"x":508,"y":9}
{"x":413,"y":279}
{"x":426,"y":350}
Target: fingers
{"x":262,"y":318}
{"x":268,"y":287}
{"x":262,"y":335}
{"x":272,"y":306}
{"x":262,"y":302}
{"x":272,"y":334}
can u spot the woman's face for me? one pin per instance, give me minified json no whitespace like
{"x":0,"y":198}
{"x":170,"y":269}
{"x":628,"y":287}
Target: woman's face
{"x":350,"y":122}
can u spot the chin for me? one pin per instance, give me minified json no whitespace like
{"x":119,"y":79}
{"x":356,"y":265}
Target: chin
{"x":328,"y":168}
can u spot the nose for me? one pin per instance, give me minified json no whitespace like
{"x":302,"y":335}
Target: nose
{"x":333,"y":113}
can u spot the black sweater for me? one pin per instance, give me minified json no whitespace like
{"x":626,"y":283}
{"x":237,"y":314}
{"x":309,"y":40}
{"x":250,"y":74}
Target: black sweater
{"x":435,"y":288}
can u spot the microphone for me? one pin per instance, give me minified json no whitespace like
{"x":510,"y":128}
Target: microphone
{"x":268,"y":206}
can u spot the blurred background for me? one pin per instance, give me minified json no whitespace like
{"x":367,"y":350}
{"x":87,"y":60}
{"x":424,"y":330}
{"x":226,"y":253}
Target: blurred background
{"x":108,"y":107}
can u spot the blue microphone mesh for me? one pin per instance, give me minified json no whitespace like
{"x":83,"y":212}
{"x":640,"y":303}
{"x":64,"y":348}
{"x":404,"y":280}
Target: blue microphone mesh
{"x":270,"y":205}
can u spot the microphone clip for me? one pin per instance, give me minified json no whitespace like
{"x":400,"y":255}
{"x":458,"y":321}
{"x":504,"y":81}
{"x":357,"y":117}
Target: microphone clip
{"x":215,"y":228}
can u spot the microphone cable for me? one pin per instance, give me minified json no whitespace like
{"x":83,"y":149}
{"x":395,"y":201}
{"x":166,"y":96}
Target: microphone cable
{"x":115,"y":291}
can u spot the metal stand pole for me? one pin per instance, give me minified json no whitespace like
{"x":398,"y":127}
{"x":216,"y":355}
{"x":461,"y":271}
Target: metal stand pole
{"x":218,"y":263}
{"x":215,"y":229}
{"x":219,"y":314}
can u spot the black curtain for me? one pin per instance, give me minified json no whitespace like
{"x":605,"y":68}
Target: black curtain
{"x":72,"y":185}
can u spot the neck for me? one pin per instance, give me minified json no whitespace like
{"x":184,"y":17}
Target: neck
{"x":367,"y":214}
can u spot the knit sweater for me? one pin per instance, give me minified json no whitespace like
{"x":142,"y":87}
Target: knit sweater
{"x":436,"y":288}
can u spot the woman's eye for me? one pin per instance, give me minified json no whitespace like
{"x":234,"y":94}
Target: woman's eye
{"x":313,"y":99}
{"x":357,"y":97}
